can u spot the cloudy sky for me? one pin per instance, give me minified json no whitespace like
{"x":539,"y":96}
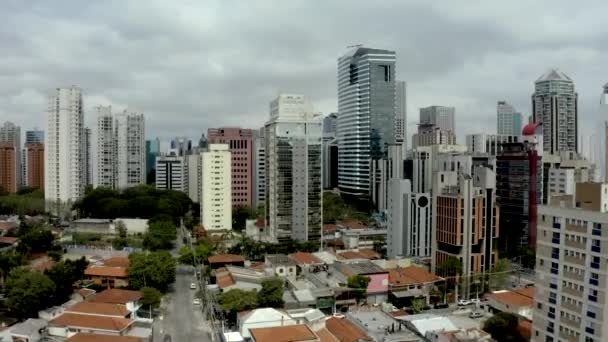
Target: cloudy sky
{"x":191,"y":65}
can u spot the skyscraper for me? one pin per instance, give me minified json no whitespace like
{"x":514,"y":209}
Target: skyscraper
{"x":401,"y":113}
{"x":63,"y":150}
{"x":436,"y":127}
{"x":34,"y":136}
{"x":366,"y":115}
{"x":330,"y":124}
{"x":10,"y":158}
{"x":87,"y":158}
{"x":130,"y":145}
{"x":602,"y":160}
{"x":104,"y":157}
{"x":152,"y":150}
{"x":438,"y":116}
{"x":240,"y":142}
{"x":217,"y":188}
{"x":171,"y":173}
{"x":259,"y":172}
{"x":508,"y":120}
{"x":555,"y":106}
{"x":34,"y":161}
{"x":293,"y":169}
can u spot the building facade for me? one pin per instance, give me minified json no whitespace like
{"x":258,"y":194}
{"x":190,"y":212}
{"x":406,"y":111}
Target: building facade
{"x":216,"y":191}
{"x":10,"y":162}
{"x":490,"y":144}
{"x":571,"y":259}
{"x":63,"y":153}
{"x":171,"y":173}
{"x":555,"y":107}
{"x":240,"y":141}
{"x":130,"y":149}
{"x":194,"y":164}
{"x":438,"y":116}
{"x":34,"y":153}
{"x":508,"y":120}
{"x":103,"y":152}
{"x":152,"y":150}
{"x":293,"y":169}
{"x":366,"y":115}
{"x":259,"y":171}
{"x":401,"y":113}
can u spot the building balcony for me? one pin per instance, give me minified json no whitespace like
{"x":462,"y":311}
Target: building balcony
{"x":565,"y":337}
{"x":570,"y":323}
{"x":576,"y":228}
{"x":574,"y":260}
{"x":572,"y":292}
{"x":575,"y":244}
{"x":571,"y":307}
{"x":573,"y":276}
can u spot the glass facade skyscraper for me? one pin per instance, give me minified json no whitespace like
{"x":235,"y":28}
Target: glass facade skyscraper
{"x":366,"y":115}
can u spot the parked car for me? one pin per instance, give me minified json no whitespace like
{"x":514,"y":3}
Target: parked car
{"x":476,"y":314}
{"x":192,"y":286}
{"x":475,"y":301}
{"x":196,"y":301}
{"x":464,"y":302}
{"x":441,"y":305}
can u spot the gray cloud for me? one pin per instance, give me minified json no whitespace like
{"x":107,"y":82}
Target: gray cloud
{"x":191,"y":65}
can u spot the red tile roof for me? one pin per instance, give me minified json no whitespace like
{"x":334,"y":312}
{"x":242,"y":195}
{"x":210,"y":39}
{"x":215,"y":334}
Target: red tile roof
{"x":302,"y":258}
{"x":515,"y":298}
{"x":224,"y":280}
{"x":91,"y":322}
{"x":326,"y":336}
{"x":117,"y":262}
{"x":6,"y":225}
{"x":411,"y":275}
{"x":368,"y":254}
{"x":105,"y":309}
{"x":287,"y":333}
{"x":525,"y":329}
{"x":352,"y":224}
{"x":86,"y":292}
{"x":345,"y":330}
{"x":225,"y":258}
{"x":8,"y":239}
{"x":86,"y":337}
{"x":106,"y":271}
{"x":117,"y":296}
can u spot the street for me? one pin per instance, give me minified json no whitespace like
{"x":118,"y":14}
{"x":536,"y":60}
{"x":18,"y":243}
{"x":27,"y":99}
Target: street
{"x":180,"y":318}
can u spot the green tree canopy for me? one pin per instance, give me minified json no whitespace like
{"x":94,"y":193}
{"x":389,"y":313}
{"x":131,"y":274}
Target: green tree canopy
{"x":151,"y":297}
{"x":503,"y":327}
{"x":30,"y":202}
{"x":202,"y":251}
{"x":418,"y":305}
{"x":34,"y":240}
{"x":9,"y":260}
{"x":239,"y":217}
{"x":64,"y":274}
{"x":359,"y":283}
{"x":28,"y":292}
{"x":160,"y":235}
{"x":151,"y":269}
{"x":271,"y":294}
{"x":237,"y":300}
{"x":255,"y":250}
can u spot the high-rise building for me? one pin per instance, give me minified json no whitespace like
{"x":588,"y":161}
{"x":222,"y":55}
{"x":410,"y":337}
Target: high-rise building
{"x":382,"y":171}
{"x":152,"y":150}
{"x":366,"y":115}
{"x":130,"y":142}
{"x":182,"y":145}
{"x":171,"y":173}
{"x":217,"y":185}
{"x":63,"y":153}
{"x":555,"y":107}
{"x":259,"y":172}
{"x":104,"y":157}
{"x":203,"y":143}
{"x":34,"y":136}
{"x":508,"y":120}
{"x":10,"y":162}
{"x":240,"y":141}
{"x":464,"y":223}
{"x":408,"y":221}
{"x":571,"y":259}
{"x":34,"y":161}
{"x":563,"y":178}
{"x":438,"y":116}
{"x":401,"y":113}
{"x":330,"y":162}
{"x":602,"y":160}
{"x":490,"y":144}
{"x":436,"y":127}
{"x":87,"y":157}
{"x":293,"y":169}
{"x":195,"y":176}
{"x":330,"y":124}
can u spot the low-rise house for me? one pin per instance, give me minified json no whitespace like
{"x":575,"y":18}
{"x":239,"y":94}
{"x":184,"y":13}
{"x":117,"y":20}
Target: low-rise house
{"x":345,"y":330}
{"x":461,"y":335}
{"x":100,"y":309}
{"x":313,"y":318}
{"x":519,"y":301}
{"x":239,"y":277}
{"x":88,"y":337}
{"x":130,"y":299}
{"x":8,"y":243}
{"x":116,"y":262}
{"x":30,"y":330}
{"x":409,"y":283}
{"x":377,"y":289}
{"x":70,"y":324}
{"x":262,"y":318}
{"x":223,"y":260}
{"x":7,"y":226}
{"x":306,"y":261}
{"x":110,"y":276}
{"x":280,"y":265}
{"x":292,"y":333}
{"x":381,"y":326}
{"x":358,"y":254}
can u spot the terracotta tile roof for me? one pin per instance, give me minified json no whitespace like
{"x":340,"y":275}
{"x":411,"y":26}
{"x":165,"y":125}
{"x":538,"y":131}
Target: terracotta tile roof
{"x":8,"y":239}
{"x":352,"y":224}
{"x":117,"y":296}
{"x":351,"y":255}
{"x":326,"y":336}
{"x":92,"y":322}
{"x":106,"y":309}
{"x":224,"y":280}
{"x":515,"y":298}
{"x":411,"y":275}
{"x":369,"y":253}
{"x":86,"y":292}
{"x":288,"y":333}
{"x":117,"y":262}
{"x":329,"y":228}
{"x":225,"y":258}
{"x":106,"y":271}
{"x":7,"y":225}
{"x":258,"y":265}
{"x":302,"y":258}
{"x":345,"y":330}
{"x":86,"y":337}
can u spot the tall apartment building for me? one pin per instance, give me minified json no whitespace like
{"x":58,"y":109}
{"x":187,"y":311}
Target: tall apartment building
{"x":87,"y":157}
{"x":563,"y":178}
{"x":63,"y":153}
{"x":601,"y":159}
{"x":401,"y":113}
{"x":104,"y":157}
{"x":571,"y":259}
{"x":171,"y":173}
{"x":508,"y":120}
{"x":216,"y":191}
{"x":130,"y":142}
{"x":194,"y":163}
{"x":330,"y":152}
{"x":555,"y":106}
{"x":240,"y":142}
{"x":10,"y":159}
{"x":436,"y":127}
{"x":425,"y":163}
{"x":181,"y":145}
{"x":438,"y":116}
{"x":259,"y":170}
{"x":382,"y":171}
{"x":409,"y":221}
{"x":34,"y":157}
{"x":366,"y":115}
{"x":490,"y":144}
{"x":465,"y":222}
{"x":293,"y":169}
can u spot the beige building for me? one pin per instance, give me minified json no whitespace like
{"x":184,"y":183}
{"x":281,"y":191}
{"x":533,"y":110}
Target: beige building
{"x":216,"y":190}
{"x":571,"y":267}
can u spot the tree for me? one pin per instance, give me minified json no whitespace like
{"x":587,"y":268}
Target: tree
{"x":500,"y":279}
{"x":271,"y":294}
{"x":503,"y":327}
{"x":151,"y":297}
{"x":28,"y":292}
{"x":240,"y":215}
{"x":237,"y":300}
{"x":160,"y":235}
{"x":35,"y":240}
{"x":528,"y":257}
{"x":380,"y":246}
{"x":64,"y":274}
{"x":8,"y":261}
{"x":151,"y":269}
{"x":417,"y":305}
{"x":450,"y":268}
{"x":358,"y":283}
{"x":121,"y":228}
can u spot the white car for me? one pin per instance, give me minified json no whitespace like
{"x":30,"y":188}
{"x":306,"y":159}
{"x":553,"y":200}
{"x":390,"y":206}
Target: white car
{"x":476,"y":314}
{"x":464,"y":302}
{"x":475,"y":301}
{"x":196,"y":301}
{"x":192,"y":286}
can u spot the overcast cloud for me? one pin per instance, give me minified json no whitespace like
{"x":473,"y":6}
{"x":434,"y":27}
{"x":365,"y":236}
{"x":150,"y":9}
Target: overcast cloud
{"x":191,"y":65}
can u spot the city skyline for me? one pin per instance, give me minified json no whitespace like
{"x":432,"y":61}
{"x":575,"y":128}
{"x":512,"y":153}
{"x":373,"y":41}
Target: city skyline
{"x":463,"y":78}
